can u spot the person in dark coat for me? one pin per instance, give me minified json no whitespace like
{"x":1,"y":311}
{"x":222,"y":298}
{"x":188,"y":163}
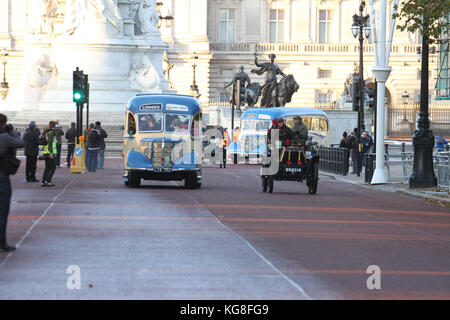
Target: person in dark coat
{"x":101,"y":152}
{"x":59,"y":134}
{"x":353,"y":145}
{"x":94,"y":143}
{"x":71,"y":134}
{"x":9,"y":141}
{"x":344,"y":141}
{"x":31,"y":139}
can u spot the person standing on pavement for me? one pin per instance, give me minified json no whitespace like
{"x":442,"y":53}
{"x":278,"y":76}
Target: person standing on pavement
{"x":49,"y":155}
{"x":31,"y":139}
{"x":366,"y":145}
{"x":353,"y":145}
{"x":71,"y":134}
{"x":101,"y":152}
{"x":93,"y":147}
{"x":9,"y":141}
{"x":59,"y":134}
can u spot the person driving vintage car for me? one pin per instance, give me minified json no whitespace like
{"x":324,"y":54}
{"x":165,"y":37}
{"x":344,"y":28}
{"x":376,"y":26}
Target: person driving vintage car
{"x":299,"y":132}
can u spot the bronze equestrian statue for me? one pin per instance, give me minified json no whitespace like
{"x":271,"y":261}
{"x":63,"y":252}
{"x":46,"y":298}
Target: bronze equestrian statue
{"x":275,"y":94}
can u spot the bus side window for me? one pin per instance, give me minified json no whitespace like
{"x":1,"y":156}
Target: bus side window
{"x":131,"y":125}
{"x":307,"y":122}
{"x":196,"y":124}
{"x":315,"y":124}
{"x":323,"y":125}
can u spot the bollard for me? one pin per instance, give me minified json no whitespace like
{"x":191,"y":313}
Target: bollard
{"x":403,"y":147}
{"x":369,"y":167}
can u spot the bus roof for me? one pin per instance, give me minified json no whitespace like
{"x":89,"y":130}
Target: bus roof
{"x":276,"y":113}
{"x":174,"y":103}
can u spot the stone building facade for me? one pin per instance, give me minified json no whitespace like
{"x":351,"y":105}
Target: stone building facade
{"x":312,"y":40}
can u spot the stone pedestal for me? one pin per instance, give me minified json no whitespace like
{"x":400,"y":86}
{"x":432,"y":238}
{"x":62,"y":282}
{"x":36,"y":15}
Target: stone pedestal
{"x":119,"y":63}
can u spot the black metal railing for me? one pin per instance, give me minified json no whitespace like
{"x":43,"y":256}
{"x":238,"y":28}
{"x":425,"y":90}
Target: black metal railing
{"x":334,"y":160}
{"x":402,"y":121}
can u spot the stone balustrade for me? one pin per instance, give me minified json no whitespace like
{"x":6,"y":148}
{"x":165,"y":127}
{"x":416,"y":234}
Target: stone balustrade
{"x":306,"y":48}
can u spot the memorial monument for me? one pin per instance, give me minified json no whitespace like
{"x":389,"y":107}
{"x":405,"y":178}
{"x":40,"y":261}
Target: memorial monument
{"x":116,"y":42}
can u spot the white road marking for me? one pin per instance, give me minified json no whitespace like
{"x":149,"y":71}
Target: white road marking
{"x":35,"y":223}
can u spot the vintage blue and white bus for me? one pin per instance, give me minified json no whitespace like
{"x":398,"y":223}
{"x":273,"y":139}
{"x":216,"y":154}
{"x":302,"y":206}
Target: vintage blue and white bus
{"x":156,"y":125}
{"x":256,"y":122}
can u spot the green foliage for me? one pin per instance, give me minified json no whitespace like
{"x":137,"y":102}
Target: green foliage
{"x":430,"y":17}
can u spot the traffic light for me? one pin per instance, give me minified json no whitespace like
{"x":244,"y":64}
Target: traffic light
{"x":78,"y":86}
{"x":371,"y":95}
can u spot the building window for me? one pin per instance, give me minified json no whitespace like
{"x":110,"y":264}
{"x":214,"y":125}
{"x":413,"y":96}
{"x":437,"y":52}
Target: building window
{"x":325,"y":23}
{"x":417,"y":97}
{"x":224,"y":97}
{"x":324,"y":74}
{"x":323,"y":97}
{"x":276,"y":25}
{"x":227,"y":25}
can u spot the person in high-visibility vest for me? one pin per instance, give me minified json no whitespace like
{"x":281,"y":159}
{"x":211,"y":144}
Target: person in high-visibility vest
{"x":225,"y":142}
{"x":49,"y":155}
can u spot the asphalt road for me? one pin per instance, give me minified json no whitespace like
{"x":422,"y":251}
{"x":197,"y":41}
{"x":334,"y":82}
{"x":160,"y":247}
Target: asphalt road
{"x":227,"y":240}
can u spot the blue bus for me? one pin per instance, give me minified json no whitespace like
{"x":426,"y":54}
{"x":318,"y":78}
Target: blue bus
{"x":256,"y":122}
{"x":159,"y":139}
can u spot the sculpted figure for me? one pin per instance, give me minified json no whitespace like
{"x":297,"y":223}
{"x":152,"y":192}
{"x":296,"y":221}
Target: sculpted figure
{"x":144,"y":75}
{"x":148,"y":17}
{"x":244,"y":81}
{"x":78,"y":10}
{"x":41,"y":72}
{"x":42,"y":14}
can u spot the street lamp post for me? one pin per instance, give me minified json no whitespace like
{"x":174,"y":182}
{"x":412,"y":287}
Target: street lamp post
{"x":4,"y":87}
{"x":405,"y":98}
{"x":194,"y":88}
{"x":423,"y":140}
{"x":360,"y":28}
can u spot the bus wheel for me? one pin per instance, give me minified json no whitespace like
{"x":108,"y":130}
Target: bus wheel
{"x":134,"y":180}
{"x":191,"y":181}
{"x":265,"y":183}
{"x":314,"y":181}
{"x":270,"y":184}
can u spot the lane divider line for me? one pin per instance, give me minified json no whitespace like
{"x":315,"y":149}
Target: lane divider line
{"x":36,"y":222}
{"x":285,"y":277}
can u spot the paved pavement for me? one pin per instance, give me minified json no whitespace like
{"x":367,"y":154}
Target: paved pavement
{"x":398,"y":183}
{"x":227,"y":240}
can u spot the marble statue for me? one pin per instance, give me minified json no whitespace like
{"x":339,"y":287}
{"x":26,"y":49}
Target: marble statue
{"x":147,"y":17}
{"x":143,"y":75}
{"x":78,"y":10}
{"x":42,"y":14}
{"x":41,"y":72}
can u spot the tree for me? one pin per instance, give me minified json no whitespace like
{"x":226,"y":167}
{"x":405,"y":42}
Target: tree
{"x":426,"y":16}
{"x":430,"y":18}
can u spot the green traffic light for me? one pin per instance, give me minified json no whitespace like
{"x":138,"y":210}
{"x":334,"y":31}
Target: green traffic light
{"x":77,"y":96}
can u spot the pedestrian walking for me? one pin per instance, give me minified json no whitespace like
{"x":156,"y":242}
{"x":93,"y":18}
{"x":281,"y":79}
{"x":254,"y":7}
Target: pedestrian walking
{"x":31,"y":139}
{"x":86,"y":144}
{"x":440,"y":144}
{"x":9,"y":142}
{"x":93,"y":147}
{"x":101,"y":151}
{"x":71,"y":134}
{"x":225,"y":144}
{"x":49,"y":154}
{"x":59,"y":134}
{"x":366,"y":145}
{"x":344,"y":141}
{"x":353,"y":145}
